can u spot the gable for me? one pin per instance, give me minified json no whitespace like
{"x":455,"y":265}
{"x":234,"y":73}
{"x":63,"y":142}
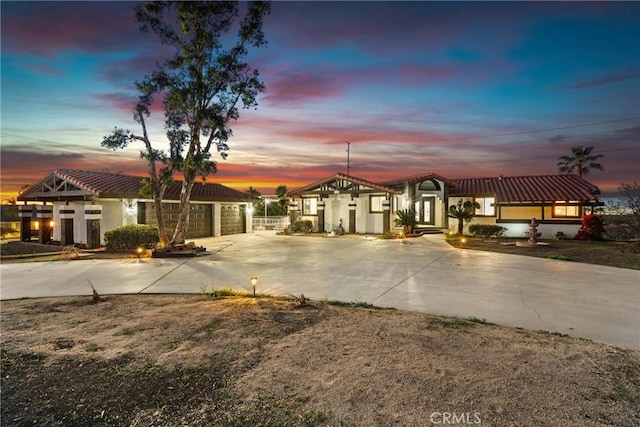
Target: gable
{"x":54,"y":186}
{"x":341,"y":183}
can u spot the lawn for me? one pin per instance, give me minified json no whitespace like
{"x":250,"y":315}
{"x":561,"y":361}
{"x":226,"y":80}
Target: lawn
{"x":167,"y":360}
{"x":613,"y":254}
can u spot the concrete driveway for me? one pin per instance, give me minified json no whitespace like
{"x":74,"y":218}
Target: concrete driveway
{"x":423,"y":274}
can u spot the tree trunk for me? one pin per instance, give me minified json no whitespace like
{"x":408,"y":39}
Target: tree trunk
{"x":180,"y":233}
{"x":157,"y":205}
{"x":460,"y":226}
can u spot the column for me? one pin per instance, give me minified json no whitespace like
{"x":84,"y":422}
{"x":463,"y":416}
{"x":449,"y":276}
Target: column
{"x":44,"y":213}
{"x":66,"y":225}
{"x":93,"y":215}
{"x":352,"y":217}
{"x":321,"y":216}
{"x":386,"y":215}
{"x":25,"y":212}
{"x":293,"y":212}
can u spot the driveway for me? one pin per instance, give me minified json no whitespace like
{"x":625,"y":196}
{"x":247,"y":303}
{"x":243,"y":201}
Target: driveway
{"x":422,"y":274}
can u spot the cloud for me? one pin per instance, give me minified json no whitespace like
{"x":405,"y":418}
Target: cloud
{"x":607,"y":79}
{"x":46,"y":28}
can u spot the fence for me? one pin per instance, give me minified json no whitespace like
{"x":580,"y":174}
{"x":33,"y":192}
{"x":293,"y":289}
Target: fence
{"x":270,"y":223}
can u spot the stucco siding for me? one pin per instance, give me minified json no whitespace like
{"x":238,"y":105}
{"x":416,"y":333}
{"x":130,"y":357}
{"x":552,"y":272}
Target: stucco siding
{"x":522,"y":212}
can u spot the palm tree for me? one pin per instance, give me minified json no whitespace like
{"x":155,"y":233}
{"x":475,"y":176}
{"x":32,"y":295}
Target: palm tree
{"x":463,"y":212}
{"x":582,"y":160}
{"x":406,"y":218}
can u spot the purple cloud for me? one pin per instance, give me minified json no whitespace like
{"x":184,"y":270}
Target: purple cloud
{"x":45,"y":28}
{"x":608,"y":79}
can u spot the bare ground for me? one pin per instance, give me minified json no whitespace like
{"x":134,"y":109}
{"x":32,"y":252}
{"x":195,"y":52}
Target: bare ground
{"x":194,"y":360}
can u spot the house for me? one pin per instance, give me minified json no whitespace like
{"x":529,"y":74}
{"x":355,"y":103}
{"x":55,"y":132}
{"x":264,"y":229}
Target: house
{"x":78,"y":207}
{"x":362,"y":206}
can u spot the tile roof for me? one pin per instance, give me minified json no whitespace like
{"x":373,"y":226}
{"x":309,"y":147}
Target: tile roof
{"x":112,"y":185}
{"x":521,"y":189}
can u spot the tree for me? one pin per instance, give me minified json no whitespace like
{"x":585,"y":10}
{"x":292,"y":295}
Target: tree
{"x":279,"y":208}
{"x":252,"y":196}
{"x":203,"y":86}
{"x":160,"y":166}
{"x":463,"y":212}
{"x":581,"y":160}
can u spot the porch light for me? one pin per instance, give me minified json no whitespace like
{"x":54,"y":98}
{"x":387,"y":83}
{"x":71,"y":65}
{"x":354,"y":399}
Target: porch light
{"x":254,"y":282}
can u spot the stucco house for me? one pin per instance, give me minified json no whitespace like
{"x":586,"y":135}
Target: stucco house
{"x":78,"y":207}
{"x":362,"y":206}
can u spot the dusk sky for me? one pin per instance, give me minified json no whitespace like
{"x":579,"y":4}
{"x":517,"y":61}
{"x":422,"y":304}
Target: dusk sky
{"x":461,"y":89}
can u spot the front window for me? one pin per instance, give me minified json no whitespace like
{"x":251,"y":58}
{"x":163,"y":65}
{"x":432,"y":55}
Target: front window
{"x":487,"y":206}
{"x":375,"y":203}
{"x":560,"y":209}
{"x":310,"y":206}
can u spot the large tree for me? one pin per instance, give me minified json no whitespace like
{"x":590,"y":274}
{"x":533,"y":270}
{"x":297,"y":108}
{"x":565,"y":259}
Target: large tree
{"x":203,"y":86}
{"x":581,"y":160}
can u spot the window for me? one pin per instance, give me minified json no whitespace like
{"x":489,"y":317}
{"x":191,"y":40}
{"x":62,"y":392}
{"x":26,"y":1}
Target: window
{"x":564,"y":210}
{"x":487,"y":206}
{"x":310,"y":206}
{"x":375,"y":203}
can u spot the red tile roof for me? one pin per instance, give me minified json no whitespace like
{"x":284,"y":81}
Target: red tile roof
{"x":112,"y":185}
{"x":522,"y":189}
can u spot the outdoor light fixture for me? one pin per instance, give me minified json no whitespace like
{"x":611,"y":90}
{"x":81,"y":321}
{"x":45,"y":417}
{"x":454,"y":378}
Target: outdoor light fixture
{"x":52,"y":223}
{"x":139,"y":251}
{"x":254,"y":282}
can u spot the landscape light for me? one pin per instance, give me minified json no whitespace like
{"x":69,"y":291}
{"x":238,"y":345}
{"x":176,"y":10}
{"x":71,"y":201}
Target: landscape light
{"x":254,"y":282}
{"x":139,"y":251}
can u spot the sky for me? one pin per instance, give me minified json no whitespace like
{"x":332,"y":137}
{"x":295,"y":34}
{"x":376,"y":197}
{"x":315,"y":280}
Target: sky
{"x":460,"y":89}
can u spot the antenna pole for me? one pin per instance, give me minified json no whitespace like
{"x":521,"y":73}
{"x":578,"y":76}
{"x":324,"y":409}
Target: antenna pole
{"x":348,"y":165}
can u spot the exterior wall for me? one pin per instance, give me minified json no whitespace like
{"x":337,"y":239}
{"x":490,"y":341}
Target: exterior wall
{"x":368,"y":222}
{"x":523,"y":212}
{"x":516,"y":220}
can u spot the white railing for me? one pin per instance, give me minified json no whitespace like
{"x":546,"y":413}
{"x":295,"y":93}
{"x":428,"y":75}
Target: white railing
{"x":270,"y":223}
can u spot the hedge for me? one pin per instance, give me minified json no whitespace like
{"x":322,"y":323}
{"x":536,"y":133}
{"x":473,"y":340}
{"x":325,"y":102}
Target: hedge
{"x":486,"y":230}
{"x":131,"y":237}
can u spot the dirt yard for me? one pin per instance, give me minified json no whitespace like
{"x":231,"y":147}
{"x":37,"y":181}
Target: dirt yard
{"x":195,"y":360}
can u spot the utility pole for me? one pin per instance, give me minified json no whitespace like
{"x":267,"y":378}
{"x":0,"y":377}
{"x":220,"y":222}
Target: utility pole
{"x":348,"y":165}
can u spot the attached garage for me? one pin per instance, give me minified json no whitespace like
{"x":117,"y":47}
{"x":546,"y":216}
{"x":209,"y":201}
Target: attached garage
{"x":200,"y":217}
{"x":232,"y":219}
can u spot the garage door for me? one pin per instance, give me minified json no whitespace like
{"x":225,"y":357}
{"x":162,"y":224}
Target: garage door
{"x":200,"y":218}
{"x":232,"y":219}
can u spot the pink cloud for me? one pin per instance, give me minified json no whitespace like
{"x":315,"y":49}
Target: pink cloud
{"x":607,"y":79}
{"x":126,"y":102}
{"x":43,"y":28}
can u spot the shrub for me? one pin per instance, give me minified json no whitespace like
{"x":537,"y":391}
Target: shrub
{"x":559,"y":235}
{"x":406,"y":219}
{"x":592,"y":228}
{"x":302,"y":226}
{"x":486,"y":230}
{"x":131,"y":237}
